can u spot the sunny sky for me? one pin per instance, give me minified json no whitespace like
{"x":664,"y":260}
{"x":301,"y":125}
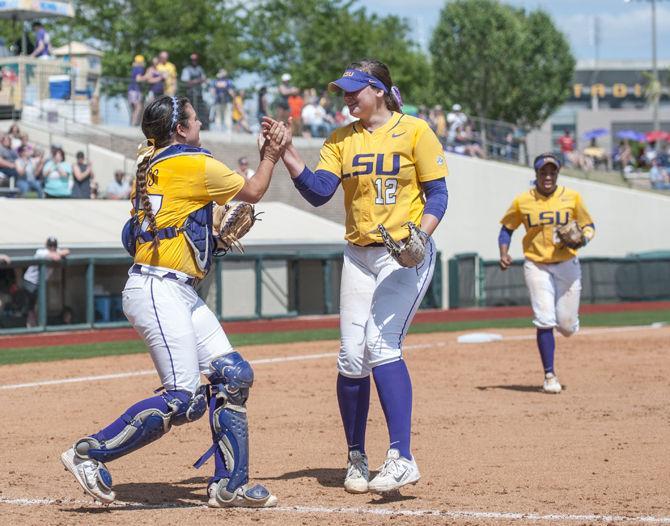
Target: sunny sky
{"x":625,"y":27}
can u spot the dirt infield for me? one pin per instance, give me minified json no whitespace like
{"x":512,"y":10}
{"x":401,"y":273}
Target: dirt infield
{"x":489,"y":444}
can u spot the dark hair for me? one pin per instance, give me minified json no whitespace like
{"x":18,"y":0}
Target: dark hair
{"x":59,"y":150}
{"x":381,"y":71}
{"x":52,"y":242}
{"x":158,"y":126}
{"x":37,"y":23}
{"x":80,"y":155}
{"x":243,"y":160}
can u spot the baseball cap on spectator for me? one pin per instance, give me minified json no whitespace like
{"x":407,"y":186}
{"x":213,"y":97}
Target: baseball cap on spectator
{"x":456,"y":107}
{"x":355,"y":80}
{"x":138,"y":58}
{"x":286,"y":77}
{"x":544,"y":159}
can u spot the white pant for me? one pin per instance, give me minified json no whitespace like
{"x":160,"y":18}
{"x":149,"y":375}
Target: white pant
{"x":378,"y":299}
{"x":554,"y":294}
{"x":182,"y":334}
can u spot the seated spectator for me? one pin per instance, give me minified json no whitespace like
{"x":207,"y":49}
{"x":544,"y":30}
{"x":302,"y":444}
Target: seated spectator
{"x":7,"y":161}
{"x":658,"y":176}
{"x":83,"y":176}
{"x":596,"y":154}
{"x":29,"y":171}
{"x":15,"y":135}
{"x":467,"y":143}
{"x":314,"y":119}
{"x":243,"y":168}
{"x":57,"y":174}
{"x":456,"y":119}
{"x":94,"y":189}
{"x":119,"y":188}
{"x":650,"y":154}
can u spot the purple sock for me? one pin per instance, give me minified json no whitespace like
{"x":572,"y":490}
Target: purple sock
{"x":394,"y":388}
{"x":353,"y":395}
{"x":546,"y":345}
{"x":113,"y":429}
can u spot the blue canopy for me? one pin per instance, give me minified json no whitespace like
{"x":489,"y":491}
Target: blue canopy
{"x":595,"y":133}
{"x":632,"y":135}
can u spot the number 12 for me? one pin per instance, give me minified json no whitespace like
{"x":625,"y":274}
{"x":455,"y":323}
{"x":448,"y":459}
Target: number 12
{"x":386,"y":192}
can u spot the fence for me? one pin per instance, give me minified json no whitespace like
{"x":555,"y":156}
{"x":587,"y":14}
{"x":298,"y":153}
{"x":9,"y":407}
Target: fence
{"x":475,"y":282}
{"x":84,"y":292}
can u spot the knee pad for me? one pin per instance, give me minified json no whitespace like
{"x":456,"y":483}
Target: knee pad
{"x":231,"y":380}
{"x":146,"y":426}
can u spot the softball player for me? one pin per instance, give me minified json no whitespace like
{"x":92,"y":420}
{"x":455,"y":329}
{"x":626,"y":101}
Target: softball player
{"x":392,"y":169}
{"x":170,"y":237}
{"x":551,"y":270}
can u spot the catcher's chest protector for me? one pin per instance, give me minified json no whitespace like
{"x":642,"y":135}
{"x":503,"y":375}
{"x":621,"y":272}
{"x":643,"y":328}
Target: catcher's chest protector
{"x":197,"y":228}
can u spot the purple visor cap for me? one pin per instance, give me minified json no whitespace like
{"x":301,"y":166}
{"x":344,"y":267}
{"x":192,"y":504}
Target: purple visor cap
{"x":355,"y":80}
{"x":547,"y":159}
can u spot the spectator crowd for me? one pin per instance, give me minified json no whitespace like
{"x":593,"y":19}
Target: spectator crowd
{"x":646,"y":155}
{"x":26,"y":170}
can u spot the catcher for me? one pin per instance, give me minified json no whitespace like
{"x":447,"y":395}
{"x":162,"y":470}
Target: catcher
{"x":170,"y":238}
{"x":557,"y":225}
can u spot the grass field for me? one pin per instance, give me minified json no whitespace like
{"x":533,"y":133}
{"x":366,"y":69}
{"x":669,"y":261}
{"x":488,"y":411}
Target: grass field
{"x":68,"y":352}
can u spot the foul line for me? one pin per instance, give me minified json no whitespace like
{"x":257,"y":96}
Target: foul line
{"x":453,"y":514}
{"x":306,"y":357}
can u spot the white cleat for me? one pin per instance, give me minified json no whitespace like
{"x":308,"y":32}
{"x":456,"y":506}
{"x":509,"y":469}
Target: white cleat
{"x":92,"y":475}
{"x":358,"y":473}
{"x":243,"y":497}
{"x":551,"y":384}
{"x":395,"y":472}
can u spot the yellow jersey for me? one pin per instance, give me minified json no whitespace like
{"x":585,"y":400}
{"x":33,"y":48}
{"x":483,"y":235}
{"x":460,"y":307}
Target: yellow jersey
{"x":541,"y":215}
{"x":169,"y":71}
{"x":180,"y":180}
{"x":381,"y":174}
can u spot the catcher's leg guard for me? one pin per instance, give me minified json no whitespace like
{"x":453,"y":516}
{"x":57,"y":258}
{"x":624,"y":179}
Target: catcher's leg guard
{"x":144,"y":423}
{"x":231,"y":380}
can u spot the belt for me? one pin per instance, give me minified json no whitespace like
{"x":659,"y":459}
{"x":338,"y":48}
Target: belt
{"x":369,"y":245}
{"x":137,"y":269}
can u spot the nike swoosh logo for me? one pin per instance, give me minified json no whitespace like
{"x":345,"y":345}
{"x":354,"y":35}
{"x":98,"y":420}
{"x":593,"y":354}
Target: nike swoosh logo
{"x":395,"y":135}
{"x":401,"y":476}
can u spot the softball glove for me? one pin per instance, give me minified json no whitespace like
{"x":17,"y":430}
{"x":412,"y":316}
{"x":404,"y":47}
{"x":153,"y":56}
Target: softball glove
{"x":411,"y":251}
{"x":570,"y":235}
{"x":230,"y":224}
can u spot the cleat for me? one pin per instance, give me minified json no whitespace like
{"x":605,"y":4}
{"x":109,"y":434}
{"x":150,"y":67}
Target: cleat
{"x":395,"y":472}
{"x":551,"y":384}
{"x":92,"y":476}
{"x":243,"y":497}
{"x":358,"y":474}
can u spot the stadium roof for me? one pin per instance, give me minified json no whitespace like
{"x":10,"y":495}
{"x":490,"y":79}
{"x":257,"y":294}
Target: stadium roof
{"x":96,"y":224}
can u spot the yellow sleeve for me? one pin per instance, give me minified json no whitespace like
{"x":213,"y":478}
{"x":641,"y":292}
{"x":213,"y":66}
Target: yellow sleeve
{"x":583,"y":218}
{"x":221,"y":183}
{"x":512,"y":218}
{"x":429,"y":157}
{"x":330,"y":157}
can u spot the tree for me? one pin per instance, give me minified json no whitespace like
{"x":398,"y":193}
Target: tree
{"x":499,"y":62}
{"x":125,"y":28}
{"x":314,"y":40}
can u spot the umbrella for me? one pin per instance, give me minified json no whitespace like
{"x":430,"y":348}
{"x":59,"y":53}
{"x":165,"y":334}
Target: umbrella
{"x":32,"y":10}
{"x":658,"y":135}
{"x":632,"y":135}
{"x":595,"y":133}
{"x":25,"y":10}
